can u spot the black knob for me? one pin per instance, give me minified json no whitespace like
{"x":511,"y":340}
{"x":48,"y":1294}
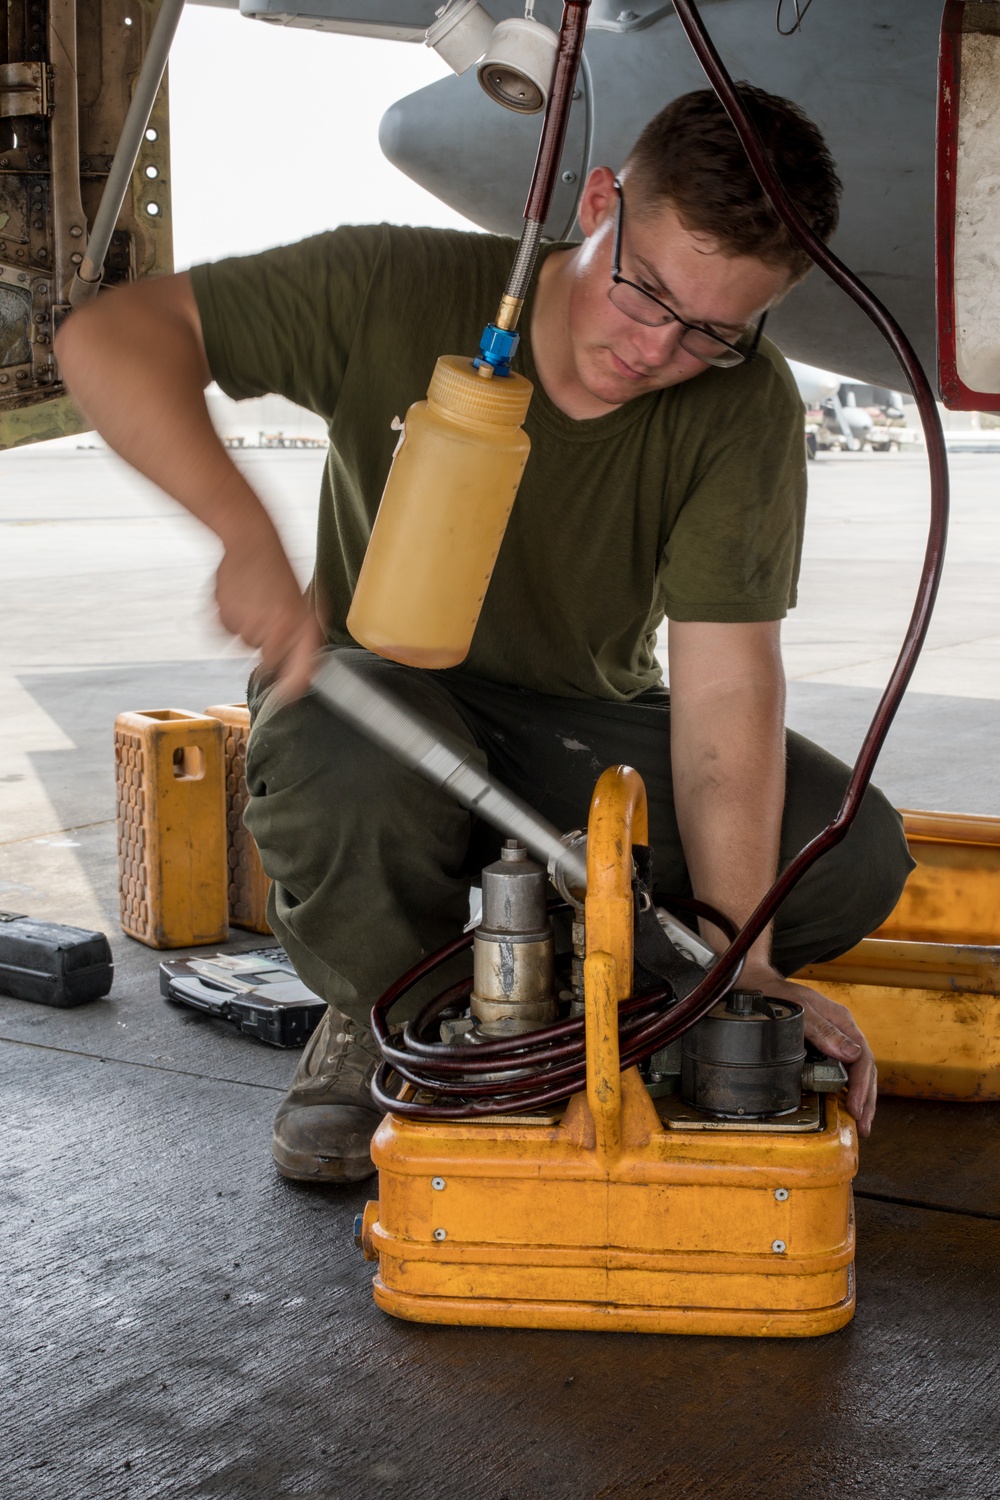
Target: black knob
{"x":741,"y":1002}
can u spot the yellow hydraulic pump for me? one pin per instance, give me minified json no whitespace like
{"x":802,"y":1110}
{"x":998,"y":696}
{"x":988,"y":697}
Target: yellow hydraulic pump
{"x":617,"y":1210}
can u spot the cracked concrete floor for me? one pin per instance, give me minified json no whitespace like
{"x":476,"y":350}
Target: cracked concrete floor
{"x":178,"y":1321}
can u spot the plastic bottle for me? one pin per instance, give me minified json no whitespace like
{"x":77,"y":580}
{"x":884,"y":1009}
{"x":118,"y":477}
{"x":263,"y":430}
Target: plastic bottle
{"x":443,"y":514}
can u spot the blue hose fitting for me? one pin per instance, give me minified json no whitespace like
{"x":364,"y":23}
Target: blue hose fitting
{"x":497,"y":348}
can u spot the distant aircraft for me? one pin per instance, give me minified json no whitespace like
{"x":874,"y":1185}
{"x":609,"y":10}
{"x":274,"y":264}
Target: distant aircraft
{"x":852,"y":413}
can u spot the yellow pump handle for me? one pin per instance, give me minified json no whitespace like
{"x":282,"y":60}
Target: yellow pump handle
{"x":618,"y":818}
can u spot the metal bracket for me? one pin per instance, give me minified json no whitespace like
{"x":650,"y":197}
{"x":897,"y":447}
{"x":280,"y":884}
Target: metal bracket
{"x":623,"y":16}
{"x":25,"y":89}
{"x":392,"y":20}
{"x":823,"y":1075}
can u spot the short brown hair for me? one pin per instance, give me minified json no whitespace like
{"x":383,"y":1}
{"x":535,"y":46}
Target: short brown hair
{"x":691,"y":156}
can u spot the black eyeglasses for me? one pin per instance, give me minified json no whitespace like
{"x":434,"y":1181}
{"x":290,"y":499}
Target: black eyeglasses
{"x":635,"y":302}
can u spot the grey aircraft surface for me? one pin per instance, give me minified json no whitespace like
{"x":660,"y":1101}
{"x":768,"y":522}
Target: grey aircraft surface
{"x":906,"y":95}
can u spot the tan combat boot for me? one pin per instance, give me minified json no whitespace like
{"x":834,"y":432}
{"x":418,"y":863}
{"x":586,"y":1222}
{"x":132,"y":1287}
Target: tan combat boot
{"x":323,"y":1129}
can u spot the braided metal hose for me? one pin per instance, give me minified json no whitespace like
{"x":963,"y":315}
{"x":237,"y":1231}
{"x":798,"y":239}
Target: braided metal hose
{"x":550,"y":150}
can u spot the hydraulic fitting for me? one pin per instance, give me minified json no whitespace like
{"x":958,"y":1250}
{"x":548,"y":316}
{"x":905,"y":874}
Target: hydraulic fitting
{"x":497,"y":348}
{"x":823,"y":1075}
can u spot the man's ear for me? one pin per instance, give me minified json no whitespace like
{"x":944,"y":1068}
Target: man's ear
{"x":598,"y":201}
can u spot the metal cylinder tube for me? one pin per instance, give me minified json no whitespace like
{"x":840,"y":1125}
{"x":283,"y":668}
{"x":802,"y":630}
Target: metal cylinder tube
{"x":513,"y":948}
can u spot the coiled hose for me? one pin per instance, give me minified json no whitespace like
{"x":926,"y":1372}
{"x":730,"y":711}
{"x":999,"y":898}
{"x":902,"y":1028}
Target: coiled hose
{"x":520,"y":1073}
{"x":550,"y":1064}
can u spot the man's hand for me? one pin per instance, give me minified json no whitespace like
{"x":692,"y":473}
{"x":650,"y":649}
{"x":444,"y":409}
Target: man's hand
{"x":832,"y":1029}
{"x":260,"y":600}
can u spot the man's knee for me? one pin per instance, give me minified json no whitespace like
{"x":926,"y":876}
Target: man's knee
{"x":875,"y":862}
{"x":851,"y":890}
{"x":292,"y":744}
{"x":302,"y":746}
{"x":308,"y":777}
{"x":322,"y":796}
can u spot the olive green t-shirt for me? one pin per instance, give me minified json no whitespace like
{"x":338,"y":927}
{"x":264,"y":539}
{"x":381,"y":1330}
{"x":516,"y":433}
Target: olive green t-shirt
{"x":688,"y":502}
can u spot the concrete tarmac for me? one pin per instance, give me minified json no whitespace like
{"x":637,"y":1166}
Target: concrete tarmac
{"x":178,"y":1321}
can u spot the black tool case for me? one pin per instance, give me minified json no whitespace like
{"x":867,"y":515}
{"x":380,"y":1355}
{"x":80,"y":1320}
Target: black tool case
{"x":258,"y":991}
{"x":52,"y":964}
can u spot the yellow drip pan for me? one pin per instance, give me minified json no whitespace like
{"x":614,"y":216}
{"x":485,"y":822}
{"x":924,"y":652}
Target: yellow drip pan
{"x":925,"y":989}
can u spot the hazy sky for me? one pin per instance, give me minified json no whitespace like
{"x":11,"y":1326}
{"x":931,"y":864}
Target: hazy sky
{"x":274,"y":133}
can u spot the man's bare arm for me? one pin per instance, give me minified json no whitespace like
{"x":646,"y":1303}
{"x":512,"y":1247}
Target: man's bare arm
{"x":727,"y":711}
{"x":134,"y":361}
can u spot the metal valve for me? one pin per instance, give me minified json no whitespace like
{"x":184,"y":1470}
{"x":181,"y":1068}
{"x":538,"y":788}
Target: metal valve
{"x":823,"y":1075}
{"x":513,"y":948}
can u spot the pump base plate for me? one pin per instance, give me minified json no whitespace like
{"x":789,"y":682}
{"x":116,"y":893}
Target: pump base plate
{"x":740,"y":1232}
{"x":608,"y":1317}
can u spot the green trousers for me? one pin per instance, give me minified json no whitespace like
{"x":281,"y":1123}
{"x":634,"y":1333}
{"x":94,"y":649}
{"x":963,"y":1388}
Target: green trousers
{"x":371,"y":865}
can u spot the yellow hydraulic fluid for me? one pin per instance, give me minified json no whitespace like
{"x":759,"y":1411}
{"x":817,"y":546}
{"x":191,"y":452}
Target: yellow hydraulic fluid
{"x":171,"y":828}
{"x":248,"y":885}
{"x":617,"y":1212}
{"x":442,"y":517}
{"x":925,"y":989}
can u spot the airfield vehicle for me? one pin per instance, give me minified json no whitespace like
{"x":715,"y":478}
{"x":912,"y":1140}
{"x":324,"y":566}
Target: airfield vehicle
{"x":851,"y":415}
{"x":325,"y":1395}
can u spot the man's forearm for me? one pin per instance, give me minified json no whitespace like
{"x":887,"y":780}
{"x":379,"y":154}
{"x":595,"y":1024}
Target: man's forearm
{"x":727,"y":733}
{"x":728,"y":760}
